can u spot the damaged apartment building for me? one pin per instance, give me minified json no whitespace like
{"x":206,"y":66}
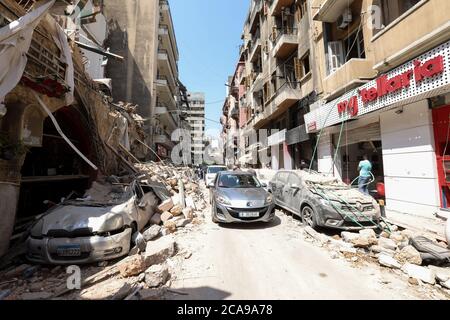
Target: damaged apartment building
{"x":83,"y":90}
{"x":336,"y":80}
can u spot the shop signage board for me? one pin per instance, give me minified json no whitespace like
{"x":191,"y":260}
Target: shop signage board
{"x":426,"y":76}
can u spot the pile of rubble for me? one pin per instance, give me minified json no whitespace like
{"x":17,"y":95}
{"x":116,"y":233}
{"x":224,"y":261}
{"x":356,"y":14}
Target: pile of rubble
{"x":146,"y":272}
{"x":392,"y":250}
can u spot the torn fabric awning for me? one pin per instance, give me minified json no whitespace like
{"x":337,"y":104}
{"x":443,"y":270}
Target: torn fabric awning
{"x":15,"y":41}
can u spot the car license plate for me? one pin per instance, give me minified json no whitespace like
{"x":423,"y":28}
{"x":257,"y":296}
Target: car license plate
{"x":69,"y":251}
{"x":248,"y":214}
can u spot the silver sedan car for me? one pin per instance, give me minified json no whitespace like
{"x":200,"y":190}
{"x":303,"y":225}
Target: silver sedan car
{"x":240,"y":197}
{"x":86,"y":231}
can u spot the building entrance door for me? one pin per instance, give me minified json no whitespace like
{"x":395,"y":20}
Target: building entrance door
{"x":441,"y":125}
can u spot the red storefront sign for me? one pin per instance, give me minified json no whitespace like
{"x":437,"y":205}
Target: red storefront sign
{"x":385,"y":85}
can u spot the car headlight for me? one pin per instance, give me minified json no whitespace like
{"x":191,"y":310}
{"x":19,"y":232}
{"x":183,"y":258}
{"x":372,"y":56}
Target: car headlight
{"x":112,"y":223}
{"x":269,"y":199}
{"x":330,"y":203}
{"x":223,"y":200}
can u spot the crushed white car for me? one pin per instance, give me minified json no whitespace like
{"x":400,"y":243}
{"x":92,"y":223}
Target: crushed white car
{"x":98,"y":227}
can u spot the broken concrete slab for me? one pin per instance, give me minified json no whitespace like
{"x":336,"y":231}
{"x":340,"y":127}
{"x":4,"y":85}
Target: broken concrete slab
{"x":379,"y":249}
{"x":387,"y":243}
{"x":160,"y":250}
{"x":388,"y":261}
{"x":171,"y":225}
{"x":420,"y":273}
{"x":176,"y":210}
{"x":166,"y":216}
{"x":182,"y":223}
{"x":316,"y":235}
{"x":188,"y":213}
{"x":131,"y":266}
{"x":442,"y":274}
{"x":156,"y":275}
{"x":446,"y":284}
{"x":409,"y":254}
{"x":349,"y":236}
{"x":397,"y":237}
{"x":367,"y":233}
{"x":152,"y":232}
{"x":361,"y":242}
{"x":165,"y":205}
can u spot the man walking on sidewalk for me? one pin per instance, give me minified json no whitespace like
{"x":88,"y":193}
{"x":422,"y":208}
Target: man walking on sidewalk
{"x":364,"y":167}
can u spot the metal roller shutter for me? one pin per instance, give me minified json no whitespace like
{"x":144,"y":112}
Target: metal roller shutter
{"x":370,"y":132}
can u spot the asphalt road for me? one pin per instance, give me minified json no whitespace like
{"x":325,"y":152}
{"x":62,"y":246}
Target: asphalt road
{"x":274,"y":261}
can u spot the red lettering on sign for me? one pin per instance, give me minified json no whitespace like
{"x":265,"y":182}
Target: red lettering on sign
{"x":384,"y":85}
{"x":350,"y":106}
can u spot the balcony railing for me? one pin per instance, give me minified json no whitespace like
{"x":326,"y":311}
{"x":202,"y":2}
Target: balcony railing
{"x":277,"y":33}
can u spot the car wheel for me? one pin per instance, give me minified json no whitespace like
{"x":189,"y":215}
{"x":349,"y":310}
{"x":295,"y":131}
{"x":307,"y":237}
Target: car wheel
{"x":309,"y":217}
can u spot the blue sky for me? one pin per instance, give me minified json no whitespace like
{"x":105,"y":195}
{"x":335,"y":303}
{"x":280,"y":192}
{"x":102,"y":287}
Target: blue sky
{"x":208,"y":35}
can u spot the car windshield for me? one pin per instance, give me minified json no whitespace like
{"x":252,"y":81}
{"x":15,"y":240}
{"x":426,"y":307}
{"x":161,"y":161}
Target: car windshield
{"x":238,"y":181}
{"x":216,"y":169}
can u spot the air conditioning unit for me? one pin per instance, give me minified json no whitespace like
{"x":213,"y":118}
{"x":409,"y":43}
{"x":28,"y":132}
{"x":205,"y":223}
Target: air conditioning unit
{"x":345,"y":19}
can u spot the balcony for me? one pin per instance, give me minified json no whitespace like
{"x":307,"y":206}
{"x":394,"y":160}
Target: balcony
{"x":166,"y":19}
{"x":329,"y":10}
{"x":255,"y":48}
{"x":411,"y":34}
{"x":234,"y":112}
{"x":352,"y":74}
{"x":275,"y":9}
{"x":165,"y":93}
{"x":285,"y":97}
{"x":168,"y":41}
{"x":167,"y":67}
{"x":285,"y":41}
{"x":253,"y":23}
{"x":169,"y":118}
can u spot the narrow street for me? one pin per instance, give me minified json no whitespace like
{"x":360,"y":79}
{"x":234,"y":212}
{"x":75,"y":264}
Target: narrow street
{"x":275,"y":261}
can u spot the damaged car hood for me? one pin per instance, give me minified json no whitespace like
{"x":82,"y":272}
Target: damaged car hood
{"x":72,"y":217}
{"x":245,"y":194}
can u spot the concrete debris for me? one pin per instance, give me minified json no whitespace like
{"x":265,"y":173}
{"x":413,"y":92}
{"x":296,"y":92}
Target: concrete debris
{"x":397,"y":236}
{"x":361,"y":242}
{"x":349,"y":236}
{"x":347,"y":250}
{"x":446,"y":284}
{"x":183,"y":223}
{"x":152,"y":232}
{"x":170,"y":225}
{"x":166,"y":216}
{"x":132,"y":266}
{"x":442,"y":274}
{"x":379,"y":249}
{"x":409,"y":255}
{"x":413,"y":281}
{"x":316,"y":235}
{"x":176,"y":210}
{"x":165,"y":206}
{"x":387,"y":243}
{"x":156,"y":275}
{"x":188,"y":213}
{"x":160,"y":250}
{"x":421,"y":273}
{"x":388,"y":261}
